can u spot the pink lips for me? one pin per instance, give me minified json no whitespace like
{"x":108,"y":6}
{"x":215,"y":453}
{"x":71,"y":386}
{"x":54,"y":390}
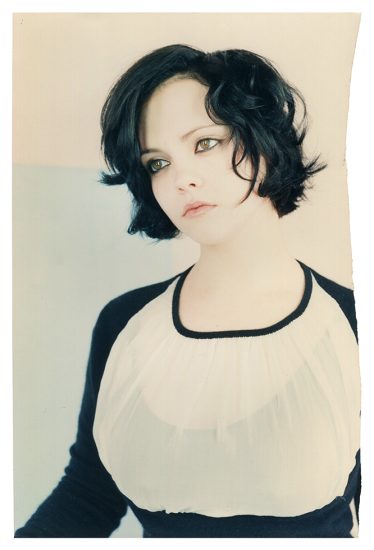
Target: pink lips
{"x":197,"y":208}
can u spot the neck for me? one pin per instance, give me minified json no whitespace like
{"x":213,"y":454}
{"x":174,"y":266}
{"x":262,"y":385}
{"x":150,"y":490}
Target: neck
{"x":256,"y":259}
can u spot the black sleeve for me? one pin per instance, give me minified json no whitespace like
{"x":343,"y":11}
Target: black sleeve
{"x":343,"y":295}
{"x":86,"y":502}
{"x":346,"y":300}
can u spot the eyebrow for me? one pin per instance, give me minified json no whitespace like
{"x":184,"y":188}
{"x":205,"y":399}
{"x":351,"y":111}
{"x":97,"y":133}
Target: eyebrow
{"x":185,"y":136}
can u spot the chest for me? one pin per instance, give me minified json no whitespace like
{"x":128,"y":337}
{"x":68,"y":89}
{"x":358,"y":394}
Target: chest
{"x":235,"y":312}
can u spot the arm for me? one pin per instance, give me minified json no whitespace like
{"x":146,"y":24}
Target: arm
{"x":346,"y":300}
{"x":86,"y":501}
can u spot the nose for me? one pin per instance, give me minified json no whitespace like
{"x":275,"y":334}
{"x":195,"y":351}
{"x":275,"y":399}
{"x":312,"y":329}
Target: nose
{"x":187,"y":180}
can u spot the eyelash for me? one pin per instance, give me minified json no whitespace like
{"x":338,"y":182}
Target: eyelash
{"x":150,"y":162}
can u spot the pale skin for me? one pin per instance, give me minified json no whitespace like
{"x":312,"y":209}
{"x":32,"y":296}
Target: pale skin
{"x":245,"y":277}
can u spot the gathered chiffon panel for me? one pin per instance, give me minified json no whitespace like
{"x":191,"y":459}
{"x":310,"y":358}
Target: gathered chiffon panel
{"x":263,"y":425}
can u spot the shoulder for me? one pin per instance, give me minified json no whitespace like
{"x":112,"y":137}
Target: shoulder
{"x":115,"y":314}
{"x":342,"y":294}
{"x":112,"y":319}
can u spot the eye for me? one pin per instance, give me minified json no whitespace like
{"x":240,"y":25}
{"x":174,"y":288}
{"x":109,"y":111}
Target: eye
{"x":155,"y":166}
{"x":206,"y":141}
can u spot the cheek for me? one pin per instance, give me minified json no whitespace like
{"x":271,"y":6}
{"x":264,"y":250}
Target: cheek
{"x":235,"y":185}
{"x":233,"y":188}
{"x":157,"y":190}
{"x":163,"y":199}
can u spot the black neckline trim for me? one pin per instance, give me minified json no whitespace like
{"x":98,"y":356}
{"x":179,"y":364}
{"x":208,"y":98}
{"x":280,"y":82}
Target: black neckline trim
{"x":245,"y":332}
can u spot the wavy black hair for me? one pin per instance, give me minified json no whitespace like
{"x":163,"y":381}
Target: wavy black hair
{"x":245,"y":92}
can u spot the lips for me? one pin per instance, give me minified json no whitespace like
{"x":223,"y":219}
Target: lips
{"x":196,"y":207}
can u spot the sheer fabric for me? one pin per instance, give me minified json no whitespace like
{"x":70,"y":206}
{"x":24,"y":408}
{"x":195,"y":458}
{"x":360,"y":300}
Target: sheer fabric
{"x":263,"y":424}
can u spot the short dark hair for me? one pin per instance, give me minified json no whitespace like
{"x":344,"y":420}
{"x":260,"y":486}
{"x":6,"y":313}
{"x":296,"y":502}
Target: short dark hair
{"x":245,"y":92}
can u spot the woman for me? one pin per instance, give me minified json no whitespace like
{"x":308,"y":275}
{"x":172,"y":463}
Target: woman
{"x":225,"y":401}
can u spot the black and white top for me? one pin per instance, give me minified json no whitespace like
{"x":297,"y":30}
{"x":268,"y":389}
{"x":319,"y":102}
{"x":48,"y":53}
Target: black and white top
{"x":242,"y":433}
{"x":262,"y":422}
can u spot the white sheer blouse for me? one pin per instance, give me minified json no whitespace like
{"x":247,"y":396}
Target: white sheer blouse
{"x":263,"y":422}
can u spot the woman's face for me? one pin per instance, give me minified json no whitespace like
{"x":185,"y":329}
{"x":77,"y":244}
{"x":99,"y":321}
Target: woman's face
{"x":188,"y":158}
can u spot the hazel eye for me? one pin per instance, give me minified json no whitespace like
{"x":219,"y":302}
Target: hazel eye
{"x":155,"y":166}
{"x":207,"y":140}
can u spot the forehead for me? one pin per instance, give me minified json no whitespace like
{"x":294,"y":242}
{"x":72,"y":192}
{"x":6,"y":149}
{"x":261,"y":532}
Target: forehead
{"x":173,"y":109}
